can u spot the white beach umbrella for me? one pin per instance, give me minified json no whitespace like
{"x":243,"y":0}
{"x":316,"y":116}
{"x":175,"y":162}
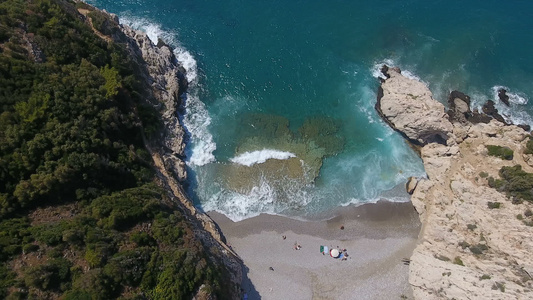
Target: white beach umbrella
{"x":334,"y":253}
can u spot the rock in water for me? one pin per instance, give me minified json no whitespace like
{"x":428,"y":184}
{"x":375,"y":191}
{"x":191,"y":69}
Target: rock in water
{"x":408,"y":106}
{"x":502,"y":94}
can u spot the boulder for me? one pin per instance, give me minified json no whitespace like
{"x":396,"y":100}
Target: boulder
{"x":459,"y":104}
{"x":411,"y":184}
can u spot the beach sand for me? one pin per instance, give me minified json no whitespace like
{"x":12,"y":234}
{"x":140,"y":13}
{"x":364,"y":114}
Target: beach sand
{"x":377,"y":237}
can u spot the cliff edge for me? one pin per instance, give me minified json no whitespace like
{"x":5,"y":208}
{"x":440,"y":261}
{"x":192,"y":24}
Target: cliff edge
{"x":164,"y":87}
{"x":475,"y":241}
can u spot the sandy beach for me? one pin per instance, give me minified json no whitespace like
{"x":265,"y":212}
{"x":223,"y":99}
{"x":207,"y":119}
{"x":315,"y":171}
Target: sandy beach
{"x":376,"y":236}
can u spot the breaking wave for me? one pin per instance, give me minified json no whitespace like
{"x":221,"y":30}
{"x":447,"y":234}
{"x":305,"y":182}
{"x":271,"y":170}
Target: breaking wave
{"x":260,"y":156}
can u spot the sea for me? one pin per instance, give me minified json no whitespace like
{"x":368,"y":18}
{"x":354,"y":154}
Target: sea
{"x":280,"y":108}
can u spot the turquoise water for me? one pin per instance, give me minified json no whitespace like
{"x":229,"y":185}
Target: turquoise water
{"x":261,"y":70}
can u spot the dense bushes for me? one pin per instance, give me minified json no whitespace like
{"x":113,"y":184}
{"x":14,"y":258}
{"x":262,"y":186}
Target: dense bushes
{"x":76,"y":182}
{"x":515,"y":182}
{"x":501,"y":152}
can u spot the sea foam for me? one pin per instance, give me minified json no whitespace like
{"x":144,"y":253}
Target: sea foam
{"x":516,"y":98}
{"x":260,"y":156}
{"x":376,"y":70}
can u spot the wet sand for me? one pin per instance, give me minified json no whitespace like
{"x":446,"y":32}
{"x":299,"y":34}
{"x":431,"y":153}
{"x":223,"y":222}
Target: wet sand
{"x":377,"y":237}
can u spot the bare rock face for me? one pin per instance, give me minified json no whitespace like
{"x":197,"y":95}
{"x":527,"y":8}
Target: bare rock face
{"x":408,"y":106}
{"x":164,"y":74}
{"x":468,"y":249}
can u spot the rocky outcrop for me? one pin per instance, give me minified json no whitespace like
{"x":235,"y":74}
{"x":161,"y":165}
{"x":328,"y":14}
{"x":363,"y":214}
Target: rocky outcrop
{"x":164,"y":77}
{"x":400,"y":99}
{"x":468,"y":249}
{"x":502,"y":94}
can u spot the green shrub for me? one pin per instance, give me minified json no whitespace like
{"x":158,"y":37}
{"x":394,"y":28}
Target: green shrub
{"x":142,"y":239}
{"x":94,"y":283}
{"x":515,"y":183}
{"x":30,"y":248}
{"x":499,"y":151}
{"x":478,"y":249}
{"x":7,"y":280}
{"x":493,"y":205}
{"x":457,"y":260}
{"x":128,"y":267}
{"x":49,"y":276}
{"x":126,"y":208}
{"x":529,"y":146}
{"x":464,"y":244}
{"x":484,"y":277}
{"x":483,"y":174}
{"x":499,"y":286}
{"x":471,"y":226}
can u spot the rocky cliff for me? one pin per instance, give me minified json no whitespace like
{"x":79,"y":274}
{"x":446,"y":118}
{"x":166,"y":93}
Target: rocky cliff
{"x":164,"y":88}
{"x":475,"y":242}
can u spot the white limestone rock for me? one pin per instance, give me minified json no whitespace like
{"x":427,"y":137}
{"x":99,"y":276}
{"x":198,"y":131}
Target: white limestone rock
{"x":408,"y":106}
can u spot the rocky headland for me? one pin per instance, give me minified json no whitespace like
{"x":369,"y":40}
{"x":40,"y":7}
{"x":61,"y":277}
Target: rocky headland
{"x":164,"y":87}
{"x":475,"y":241}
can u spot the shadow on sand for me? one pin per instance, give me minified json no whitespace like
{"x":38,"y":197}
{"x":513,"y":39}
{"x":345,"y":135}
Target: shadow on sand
{"x":248,"y":287}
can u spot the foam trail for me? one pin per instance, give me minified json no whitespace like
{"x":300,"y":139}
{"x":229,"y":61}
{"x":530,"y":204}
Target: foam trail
{"x":152,"y":30}
{"x":376,"y":68}
{"x":515,"y":98}
{"x":260,"y":156}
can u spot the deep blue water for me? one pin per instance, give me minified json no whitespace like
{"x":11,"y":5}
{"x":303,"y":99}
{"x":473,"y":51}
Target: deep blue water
{"x":296,"y":61}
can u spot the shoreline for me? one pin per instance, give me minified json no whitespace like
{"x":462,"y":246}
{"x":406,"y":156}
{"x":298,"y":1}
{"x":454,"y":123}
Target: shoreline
{"x":377,"y":236}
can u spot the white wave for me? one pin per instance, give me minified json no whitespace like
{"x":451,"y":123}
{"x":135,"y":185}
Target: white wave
{"x":263,"y":198}
{"x":188,"y":62}
{"x":411,"y":75}
{"x":260,"y":156}
{"x":238,"y":207}
{"x":376,"y":70}
{"x":515,"y":98}
{"x":152,"y":29}
{"x":197,"y":121}
{"x":516,"y":113}
{"x":379,"y":139}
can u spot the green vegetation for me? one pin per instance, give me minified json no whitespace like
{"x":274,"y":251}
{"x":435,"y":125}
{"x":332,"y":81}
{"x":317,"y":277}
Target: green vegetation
{"x":514,"y":182}
{"x":457,"y":260}
{"x":483,"y":174}
{"x":478,"y":249}
{"x":529,"y":146}
{"x":499,"y":286}
{"x":493,"y":205}
{"x":77,"y":192}
{"x":471,"y":226}
{"x":442,"y":257}
{"x":501,"y":152}
{"x":484,"y":277}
